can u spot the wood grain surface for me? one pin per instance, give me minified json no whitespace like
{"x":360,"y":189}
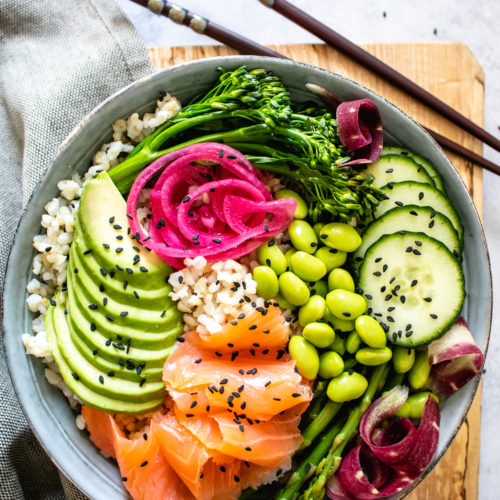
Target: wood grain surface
{"x":450,"y":71}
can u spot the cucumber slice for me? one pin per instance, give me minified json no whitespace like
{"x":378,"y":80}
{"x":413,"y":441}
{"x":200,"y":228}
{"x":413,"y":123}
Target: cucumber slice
{"x":410,"y":218}
{"x":422,"y":195}
{"x":395,"y":168}
{"x":413,"y":286}
{"x":429,"y":167}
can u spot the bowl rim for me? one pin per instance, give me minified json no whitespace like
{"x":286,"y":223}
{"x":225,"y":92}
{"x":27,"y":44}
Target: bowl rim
{"x":57,"y":458}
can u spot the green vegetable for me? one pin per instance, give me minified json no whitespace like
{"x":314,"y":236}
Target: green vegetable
{"x":346,"y":387}
{"x":353,"y":342}
{"x":330,"y":364}
{"x":305,"y":356}
{"x":302,"y":208}
{"x":372,"y":356}
{"x":340,"y":236}
{"x":267,"y":282}
{"x":303,"y":236}
{"x":282,"y":302}
{"x":269,"y":254}
{"x":252,"y":112}
{"x":319,"y":334}
{"x":317,"y":227}
{"x":345,"y":305}
{"x":370,"y":331}
{"x":403,"y":359}
{"x":307,"y":266}
{"x":331,"y":257}
{"x":419,"y":374}
{"x":340,"y":278}
{"x":318,"y":288}
{"x":340,"y":325}
{"x":312,"y":310}
{"x":293,"y":289}
{"x":338,"y":345}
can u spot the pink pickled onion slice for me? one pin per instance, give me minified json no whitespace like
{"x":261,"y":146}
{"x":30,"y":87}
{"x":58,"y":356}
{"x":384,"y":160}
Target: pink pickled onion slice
{"x":455,"y":359}
{"x":360,"y":130}
{"x":207,"y":201}
{"x":399,"y":456}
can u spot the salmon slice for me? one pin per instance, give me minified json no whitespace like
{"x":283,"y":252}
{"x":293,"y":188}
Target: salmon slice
{"x":194,"y":463}
{"x":144,"y":469}
{"x":269,"y":444}
{"x":198,"y":378}
{"x":263,"y":328}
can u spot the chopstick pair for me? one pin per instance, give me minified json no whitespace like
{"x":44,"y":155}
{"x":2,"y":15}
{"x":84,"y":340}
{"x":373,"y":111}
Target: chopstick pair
{"x":244,"y":45}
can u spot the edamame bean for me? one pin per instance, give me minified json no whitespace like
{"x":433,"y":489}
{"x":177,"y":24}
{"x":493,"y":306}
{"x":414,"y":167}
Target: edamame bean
{"x":293,"y":289}
{"x":305,"y":356}
{"x":319,"y":334}
{"x":346,"y":387}
{"x":340,"y":278}
{"x":269,"y":254}
{"x":340,"y":236}
{"x":317,"y":227}
{"x":301,"y":210}
{"x":345,"y":304}
{"x":307,"y":267}
{"x":330,"y":365}
{"x":331,"y":257}
{"x":371,"y":356}
{"x":403,"y":359}
{"x":353,"y":342}
{"x":282,"y":302}
{"x":339,"y":325}
{"x":370,"y":331}
{"x":419,"y":374}
{"x":318,"y":288}
{"x":312,"y":310}
{"x":414,"y":405}
{"x":288,"y":255}
{"x":267,"y":282}
{"x":303,"y":236}
{"x":338,"y":345}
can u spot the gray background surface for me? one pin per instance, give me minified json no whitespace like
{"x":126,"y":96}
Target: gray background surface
{"x":473,"y":22}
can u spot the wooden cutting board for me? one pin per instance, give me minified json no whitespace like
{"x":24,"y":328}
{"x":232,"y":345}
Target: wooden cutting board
{"x":450,"y":71}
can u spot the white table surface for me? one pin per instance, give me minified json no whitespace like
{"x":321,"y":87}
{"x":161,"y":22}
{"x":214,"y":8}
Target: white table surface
{"x":473,"y":22}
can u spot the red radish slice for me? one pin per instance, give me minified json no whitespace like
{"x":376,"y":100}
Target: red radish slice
{"x":208,"y":201}
{"x":455,"y":359}
{"x":360,"y":129}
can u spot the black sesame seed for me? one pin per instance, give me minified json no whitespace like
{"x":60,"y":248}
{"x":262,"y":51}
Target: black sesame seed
{"x":346,"y":314}
{"x":217,"y":240}
{"x":106,"y":246}
{"x":93,"y":306}
{"x":431,"y":224}
{"x":242,"y":429}
{"x":433,"y":316}
{"x":101,"y":379}
{"x":377,"y":273}
{"x":399,"y":203}
{"x":180,"y":339}
{"x":75,"y":376}
{"x":252,"y":327}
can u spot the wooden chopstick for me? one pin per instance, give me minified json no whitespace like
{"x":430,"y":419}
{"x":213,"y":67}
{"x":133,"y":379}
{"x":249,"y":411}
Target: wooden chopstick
{"x":246,"y":46}
{"x":369,"y":61}
{"x":203,"y":26}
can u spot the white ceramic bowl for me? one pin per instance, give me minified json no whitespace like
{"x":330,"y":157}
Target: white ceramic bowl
{"x":46,"y":408}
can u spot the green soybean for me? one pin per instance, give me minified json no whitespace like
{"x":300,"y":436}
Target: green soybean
{"x":340,"y":278}
{"x":267,"y":282}
{"x":338,"y":345}
{"x":345,"y":304}
{"x":339,"y":325}
{"x":302,"y":236}
{"x":307,"y":267}
{"x":330,"y":364}
{"x":414,"y":405}
{"x":371,"y":356}
{"x":419,"y":373}
{"x":353,"y":342}
{"x":312,"y":310}
{"x":283,"y":303}
{"x":370,"y":331}
{"x":301,"y":210}
{"x":317,"y":228}
{"x":319,"y":334}
{"x":331,"y":257}
{"x":346,"y":387}
{"x":305,"y":356}
{"x":340,"y":236}
{"x":318,"y":288}
{"x":293,"y":289}
{"x":403,"y":359}
{"x":269,"y":254}
{"x":288,"y":256}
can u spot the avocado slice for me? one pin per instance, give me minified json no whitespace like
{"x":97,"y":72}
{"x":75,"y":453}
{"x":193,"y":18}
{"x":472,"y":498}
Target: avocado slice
{"x":102,"y":216}
{"x":85,"y":393}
